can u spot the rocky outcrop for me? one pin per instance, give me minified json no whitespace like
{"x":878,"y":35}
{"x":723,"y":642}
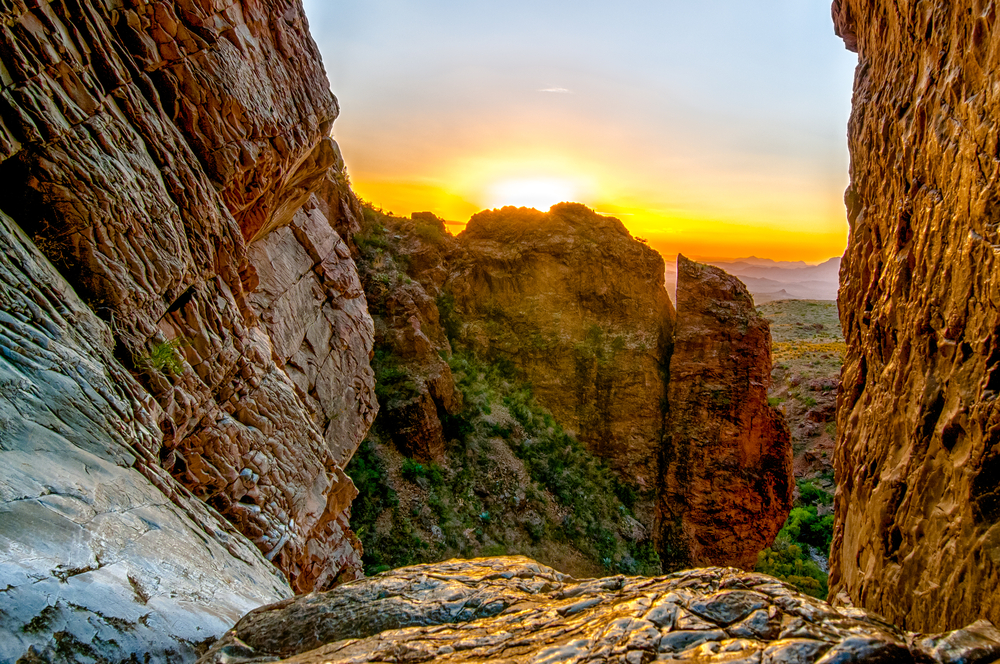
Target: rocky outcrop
{"x":403,"y":286}
{"x":104,"y":553}
{"x":173,"y":161}
{"x":727,"y":455}
{"x":515,"y":610}
{"x":917,"y":519}
{"x":580,"y":307}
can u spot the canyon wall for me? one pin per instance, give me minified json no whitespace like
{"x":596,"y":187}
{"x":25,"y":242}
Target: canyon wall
{"x":917,"y":535}
{"x":580,"y":307}
{"x":174,"y":163}
{"x":569,"y":305}
{"x":727,"y":454}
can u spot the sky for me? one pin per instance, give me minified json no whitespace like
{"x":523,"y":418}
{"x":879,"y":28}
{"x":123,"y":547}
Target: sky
{"x":714,"y":128}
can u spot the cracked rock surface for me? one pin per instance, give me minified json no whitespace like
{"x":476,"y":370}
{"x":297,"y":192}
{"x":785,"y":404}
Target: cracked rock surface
{"x":515,"y":610}
{"x":102,"y":553}
{"x":917,"y":533}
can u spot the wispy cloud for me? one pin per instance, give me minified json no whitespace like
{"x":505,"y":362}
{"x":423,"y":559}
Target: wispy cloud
{"x":561,"y":91}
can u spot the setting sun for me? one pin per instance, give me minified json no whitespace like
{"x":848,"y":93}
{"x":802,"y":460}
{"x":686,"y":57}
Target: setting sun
{"x":538,"y":193}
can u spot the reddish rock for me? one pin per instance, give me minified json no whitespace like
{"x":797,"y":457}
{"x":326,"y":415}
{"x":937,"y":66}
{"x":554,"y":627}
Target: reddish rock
{"x":408,"y":332}
{"x":917,"y":534}
{"x":143,"y":146}
{"x":727,"y":455}
{"x":580,"y":307}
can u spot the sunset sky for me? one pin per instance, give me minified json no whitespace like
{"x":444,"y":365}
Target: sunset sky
{"x":712,"y":128}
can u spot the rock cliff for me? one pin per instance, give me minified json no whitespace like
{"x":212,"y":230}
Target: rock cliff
{"x":515,"y":610}
{"x":173,"y":162}
{"x":918,"y":460}
{"x":580,"y":307}
{"x":561,"y":319}
{"x":104,"y":553}
{"x":727,"y":454}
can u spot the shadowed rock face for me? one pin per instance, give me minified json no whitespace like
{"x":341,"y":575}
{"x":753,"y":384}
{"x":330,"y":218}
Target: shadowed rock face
{"x":102,"y":553}
{"x":727,"y":454}
{"x":917,"y":534}
{"x":515,"y":610}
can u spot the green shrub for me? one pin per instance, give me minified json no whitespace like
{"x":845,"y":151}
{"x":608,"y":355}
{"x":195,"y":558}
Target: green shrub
{"x":412,"y":470}
{"x":163,"y":357}
{"x":810,"y":494}
{"x":790,"y":563}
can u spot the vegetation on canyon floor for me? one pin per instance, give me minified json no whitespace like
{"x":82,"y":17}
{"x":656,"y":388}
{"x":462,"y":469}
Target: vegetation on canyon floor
{"x":807,"y":350}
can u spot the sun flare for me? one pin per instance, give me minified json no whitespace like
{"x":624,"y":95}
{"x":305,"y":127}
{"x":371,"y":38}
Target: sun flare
{"x":538,"y":193}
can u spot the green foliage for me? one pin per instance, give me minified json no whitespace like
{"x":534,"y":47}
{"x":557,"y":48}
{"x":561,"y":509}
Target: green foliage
{"x":429,"y":233}
{"x":163,"y":357}
{"x":805,"y":527}
{"x":393,"y":382}
{"x":473,"y":502}
{"x":790,"y":563}
{"x":446,"y":313}
{"x":774,"y":402}
{"x":788,"y":558}
{"x":810,"y":494}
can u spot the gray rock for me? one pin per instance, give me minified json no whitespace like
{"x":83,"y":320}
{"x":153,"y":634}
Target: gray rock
{"x":96,"y":562}
{"x":515,"y":610}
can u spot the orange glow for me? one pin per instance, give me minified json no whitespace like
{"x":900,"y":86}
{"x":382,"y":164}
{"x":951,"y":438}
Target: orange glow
{"x":678,"y":198}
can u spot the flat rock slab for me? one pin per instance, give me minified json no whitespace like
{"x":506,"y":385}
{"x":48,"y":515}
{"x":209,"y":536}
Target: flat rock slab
{"x":516,"y":610}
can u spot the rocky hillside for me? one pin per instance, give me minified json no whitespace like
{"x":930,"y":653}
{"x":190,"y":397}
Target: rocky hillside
{"x":186,"y":369}
{"x":523,"y":367}
{"x":579,"y":306}
{"x":918,"y":458}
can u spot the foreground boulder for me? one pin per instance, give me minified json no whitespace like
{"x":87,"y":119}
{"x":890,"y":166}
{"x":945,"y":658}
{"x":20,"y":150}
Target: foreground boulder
{"x":727,"y":454}
{"x":917,"y":534}
{"x":515,"y":610}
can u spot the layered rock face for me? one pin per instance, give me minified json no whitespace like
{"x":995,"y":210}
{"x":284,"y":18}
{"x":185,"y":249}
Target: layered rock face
{"x":918,"y":461}
{"x":581,"y":308}
{"x":173,"y":161}
{"x":515,"y":610}
{"x":104,"y":553}
{"x":408,"y":329}
{"x":727,"y":455}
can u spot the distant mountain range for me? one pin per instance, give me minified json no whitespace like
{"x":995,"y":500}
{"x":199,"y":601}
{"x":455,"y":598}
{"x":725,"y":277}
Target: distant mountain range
{"x":770,"y":280}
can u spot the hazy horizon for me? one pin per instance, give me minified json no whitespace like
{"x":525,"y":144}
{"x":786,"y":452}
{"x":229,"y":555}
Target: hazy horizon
{"x":717,"y":129}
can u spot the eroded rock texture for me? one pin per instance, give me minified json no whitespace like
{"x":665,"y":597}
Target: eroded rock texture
{"x":102,"y":553}
{"x":580,"y":306}
{"x":515,"y":610}
{"x":173,"y":160}
{"x":408,"y":329}
{"x":727,"y":454}
{"x":918,"y":461}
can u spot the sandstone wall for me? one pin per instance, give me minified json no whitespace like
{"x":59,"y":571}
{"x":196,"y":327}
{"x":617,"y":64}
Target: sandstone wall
{"x":727,"y":455}
{"x":918,"y":461}
{"x":151,"y":150}
{"x":580,"y":306}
